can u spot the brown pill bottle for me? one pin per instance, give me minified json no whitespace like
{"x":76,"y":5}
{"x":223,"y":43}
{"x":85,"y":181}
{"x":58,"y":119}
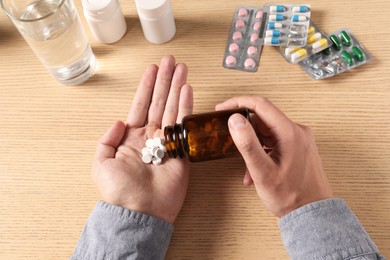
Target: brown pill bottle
{"x":202,"y":137}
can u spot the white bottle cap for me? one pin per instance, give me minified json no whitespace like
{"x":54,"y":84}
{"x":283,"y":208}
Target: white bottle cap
{"x":98,"y":8}
{"x":152,"y":8}
{"x":105,"y":19}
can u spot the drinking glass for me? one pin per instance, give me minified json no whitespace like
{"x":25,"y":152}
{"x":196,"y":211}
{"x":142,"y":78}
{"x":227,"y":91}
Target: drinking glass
{"x":54,"y":32}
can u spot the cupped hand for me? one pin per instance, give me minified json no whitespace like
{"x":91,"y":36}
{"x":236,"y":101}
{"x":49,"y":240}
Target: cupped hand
{"x":288,"y":173}
{"x":162,"y":98}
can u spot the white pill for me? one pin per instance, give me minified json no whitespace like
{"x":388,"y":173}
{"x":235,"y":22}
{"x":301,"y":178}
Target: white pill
{"x":149,"y":143}
{"x":159,"y":153}
{"x":153,"y":149}
{"x":157,"y":141}
{"x":147,"y":158}
{"x":146,"y":150}
{"x":157,"y":161}
{"x":163,"y":148}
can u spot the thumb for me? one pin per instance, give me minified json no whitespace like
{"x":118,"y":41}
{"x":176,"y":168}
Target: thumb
{"x":258,"y":163}
{"x":110,"y":141}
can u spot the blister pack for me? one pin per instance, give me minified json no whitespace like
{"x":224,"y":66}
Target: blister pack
{"x":243,"y":47}
{"x":317,"y":41}
{"x":345,"y":53}
{"x":286,"y":25}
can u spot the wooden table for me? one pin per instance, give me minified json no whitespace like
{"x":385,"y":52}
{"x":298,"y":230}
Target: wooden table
{"x":48,"y":132}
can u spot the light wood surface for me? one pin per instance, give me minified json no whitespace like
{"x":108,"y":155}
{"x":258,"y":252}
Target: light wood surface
{"x":48,"y":132}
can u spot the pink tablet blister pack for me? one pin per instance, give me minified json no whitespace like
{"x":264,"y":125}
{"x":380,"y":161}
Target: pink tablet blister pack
{"x":243,"y":47}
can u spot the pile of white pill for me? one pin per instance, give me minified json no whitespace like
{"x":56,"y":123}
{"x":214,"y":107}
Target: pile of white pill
{"x":154,"y":151}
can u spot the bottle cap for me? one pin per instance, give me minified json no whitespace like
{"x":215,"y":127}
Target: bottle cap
{"x":152,"y":8}
{"x":98,"y":8}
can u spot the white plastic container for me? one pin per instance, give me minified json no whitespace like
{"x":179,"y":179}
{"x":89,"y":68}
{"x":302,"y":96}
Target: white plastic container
{"x":156,"y":20}
{"x":105,"y":19}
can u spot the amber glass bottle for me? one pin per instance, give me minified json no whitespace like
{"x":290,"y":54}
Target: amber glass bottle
{"x":202,"y":137}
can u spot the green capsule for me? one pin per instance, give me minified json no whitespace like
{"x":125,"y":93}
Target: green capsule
{"x":346,"y":57}
{"x":357,"y":53}
{"x":327,"y":51}
{"x":336,"y":42}
{"x":345,"y":39}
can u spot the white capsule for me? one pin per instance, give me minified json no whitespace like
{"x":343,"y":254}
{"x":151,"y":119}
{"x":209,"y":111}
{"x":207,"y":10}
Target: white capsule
{"x":277,"y":8}
{"x":274,"y":33}
{"x":298,"y":55}
{"x":272,"y":40}
{"x":276,"y":17}
{"x":147,"y":158}
{"x":300,"y":9}
{"x":319,"y":44}
{"x":146,"y":150}
{"x":299,"y":18}
{"x":312,"y":39}
{"x":272,"y":26}
{"x":156,"y":161}
{"x":290,"y":50}
{"x":149,"y":143}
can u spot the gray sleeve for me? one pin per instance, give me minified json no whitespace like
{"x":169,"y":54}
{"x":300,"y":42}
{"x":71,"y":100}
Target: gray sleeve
{"x":326,"y":229}
{"x":113,"y":232}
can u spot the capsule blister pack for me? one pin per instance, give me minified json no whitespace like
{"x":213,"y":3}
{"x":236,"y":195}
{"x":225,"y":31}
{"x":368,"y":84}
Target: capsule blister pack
{"x":345,"y":53}
{"x":286,"y":25}
{"x":243,"y":47}
{"x":317,"y":41}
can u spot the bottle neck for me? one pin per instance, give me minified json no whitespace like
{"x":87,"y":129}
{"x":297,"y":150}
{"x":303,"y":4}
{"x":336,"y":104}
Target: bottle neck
{"x":174,"y":141}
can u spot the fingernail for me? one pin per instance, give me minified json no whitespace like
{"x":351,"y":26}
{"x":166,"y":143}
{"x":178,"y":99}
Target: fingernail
{"x":237,"y":122}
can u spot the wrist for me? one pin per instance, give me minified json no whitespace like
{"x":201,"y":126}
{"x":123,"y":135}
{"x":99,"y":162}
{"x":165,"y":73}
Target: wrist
{"x":166,"y":215}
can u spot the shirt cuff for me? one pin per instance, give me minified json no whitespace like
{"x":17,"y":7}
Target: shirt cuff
{"x":112,"y":232}
{"x":325,"y":229}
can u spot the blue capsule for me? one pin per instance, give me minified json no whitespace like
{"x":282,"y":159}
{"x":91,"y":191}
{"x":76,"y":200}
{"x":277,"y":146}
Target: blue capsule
{"x":273,"y":33}
{"x":272,"y":40}
{"x":300,"y":9}
{"x":299,"y":18}
{"x":276,"y":17}
{"x":272,"y":25}
{"x":277,"y":8}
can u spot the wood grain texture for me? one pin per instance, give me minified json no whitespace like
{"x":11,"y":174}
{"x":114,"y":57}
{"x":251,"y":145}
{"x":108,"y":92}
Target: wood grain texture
{"x":48,"y":132}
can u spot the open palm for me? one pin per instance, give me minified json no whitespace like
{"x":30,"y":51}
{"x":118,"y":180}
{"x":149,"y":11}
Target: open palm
{"x":162,"y":98}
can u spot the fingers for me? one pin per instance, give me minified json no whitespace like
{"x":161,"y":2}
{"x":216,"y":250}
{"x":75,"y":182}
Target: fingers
{"x":158,"y":95}
{"x":110,"y":141}
{"x":275,"y":121}
{"x":186,"y":102}
{"x":162,"y":89}
{"x":247,"y":181}
{"x":172,"y":106}
{"x":258,"y":163}
{"x":139,"y":109}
